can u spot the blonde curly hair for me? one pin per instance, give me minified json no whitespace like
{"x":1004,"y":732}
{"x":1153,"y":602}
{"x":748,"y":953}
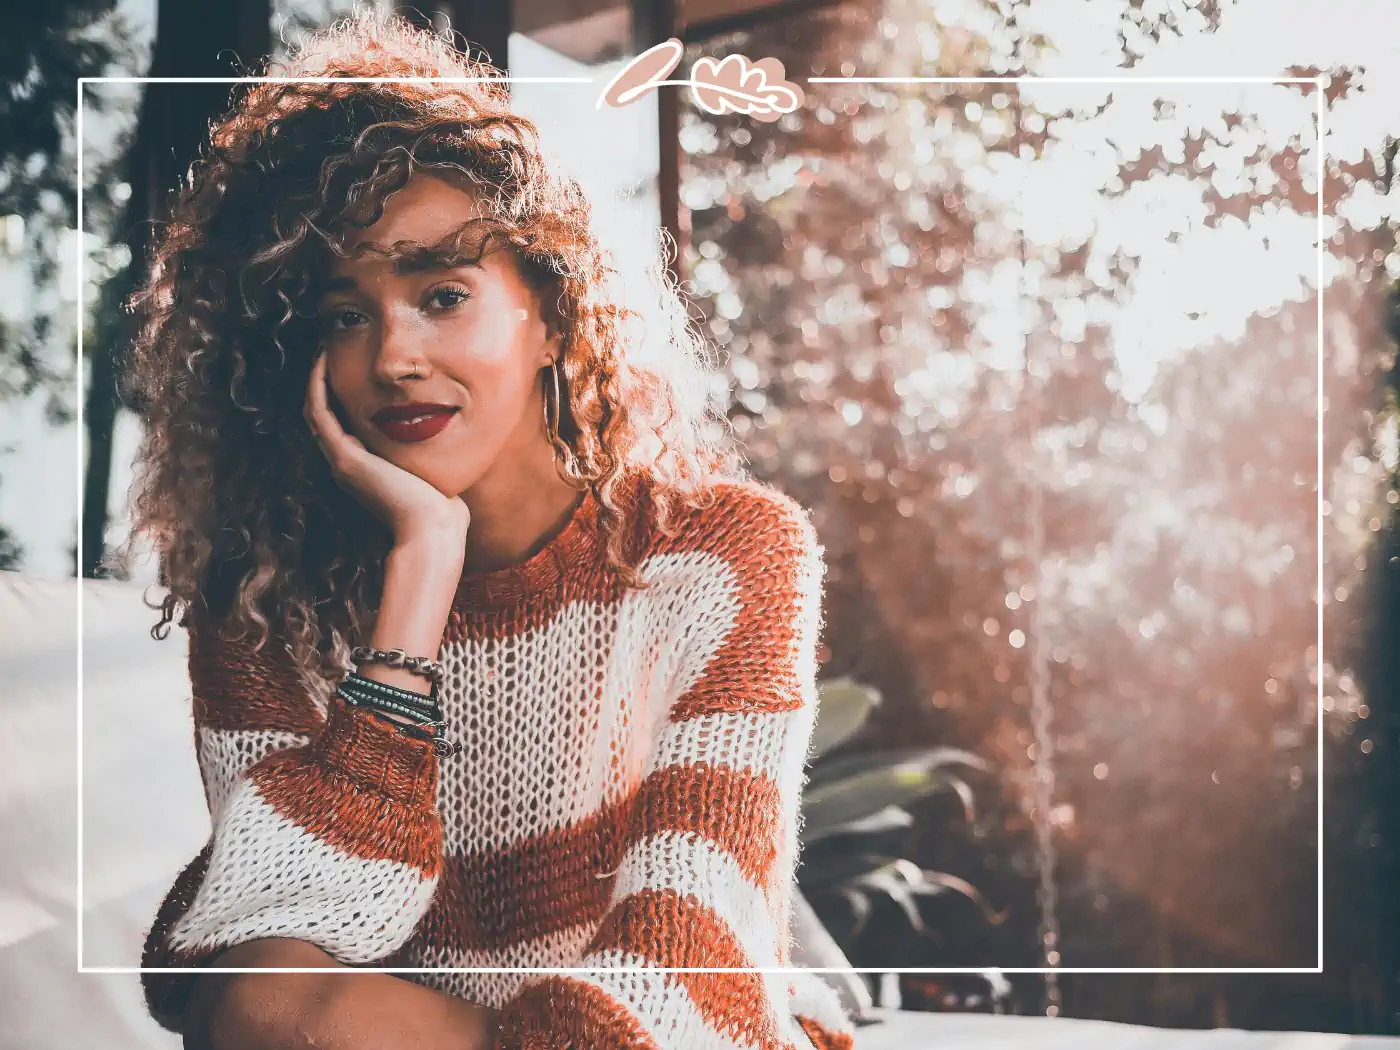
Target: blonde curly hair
{"x":250,"y":529}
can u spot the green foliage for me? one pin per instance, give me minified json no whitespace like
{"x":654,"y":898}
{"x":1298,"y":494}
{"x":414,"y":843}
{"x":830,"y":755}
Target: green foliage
{"x":844,"y":708}
{"x":63,"y":40}
{"x":52,"y":45}
{"x":858,"y":792}
{"x":860,"y":799}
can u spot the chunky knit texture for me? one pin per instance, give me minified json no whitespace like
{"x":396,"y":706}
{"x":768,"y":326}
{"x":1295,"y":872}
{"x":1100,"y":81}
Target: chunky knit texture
{"x":627,"y":796}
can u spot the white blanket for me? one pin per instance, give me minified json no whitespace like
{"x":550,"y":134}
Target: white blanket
{"x":144,"y":817}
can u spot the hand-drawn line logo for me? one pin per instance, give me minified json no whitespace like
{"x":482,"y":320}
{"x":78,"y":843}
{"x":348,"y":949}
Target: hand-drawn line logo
{"x":732,"y":85}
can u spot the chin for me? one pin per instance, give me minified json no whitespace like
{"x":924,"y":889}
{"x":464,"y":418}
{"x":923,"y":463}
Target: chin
{"x":448,"y":474}
{"x":452,"y":468}
{"x":452,"y":482}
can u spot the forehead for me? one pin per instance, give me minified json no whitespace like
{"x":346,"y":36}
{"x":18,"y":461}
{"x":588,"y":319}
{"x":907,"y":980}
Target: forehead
{"x":426,"y":211}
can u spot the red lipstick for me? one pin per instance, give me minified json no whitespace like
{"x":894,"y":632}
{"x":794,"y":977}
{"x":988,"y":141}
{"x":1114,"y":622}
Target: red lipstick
{"x":415,"y":421}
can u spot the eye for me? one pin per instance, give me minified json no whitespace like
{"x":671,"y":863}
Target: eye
{"x":340,"y":318}
{"x":448,"y":296}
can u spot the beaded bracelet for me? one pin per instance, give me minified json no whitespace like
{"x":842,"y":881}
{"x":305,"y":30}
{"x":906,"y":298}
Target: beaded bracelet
{"x":359,"y":691}
{"x":369,"y":688}
{"x":420,"y":665}
{"x":441,"y":744}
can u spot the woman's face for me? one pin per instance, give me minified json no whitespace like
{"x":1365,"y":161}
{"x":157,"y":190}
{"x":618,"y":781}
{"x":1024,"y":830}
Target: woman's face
{"x":470,"y":338}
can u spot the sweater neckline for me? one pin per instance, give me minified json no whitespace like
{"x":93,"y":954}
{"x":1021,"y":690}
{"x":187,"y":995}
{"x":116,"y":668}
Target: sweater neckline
{"x":542,"y":572}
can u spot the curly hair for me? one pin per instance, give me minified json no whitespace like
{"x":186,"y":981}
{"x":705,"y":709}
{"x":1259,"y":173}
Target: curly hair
{"x":249,"y":526}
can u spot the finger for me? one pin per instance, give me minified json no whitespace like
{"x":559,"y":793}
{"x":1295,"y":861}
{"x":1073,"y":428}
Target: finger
{"x":325,"y":428}
{"x":323,"y":420}
{"x":337,"y":442}
{"x":313,"y":381}
{"x":316,"y":390}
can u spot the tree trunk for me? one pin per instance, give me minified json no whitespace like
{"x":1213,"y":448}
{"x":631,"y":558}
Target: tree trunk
{"x":192,"y":40}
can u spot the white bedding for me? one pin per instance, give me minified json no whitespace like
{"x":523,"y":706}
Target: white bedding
{"x":144,"y":818}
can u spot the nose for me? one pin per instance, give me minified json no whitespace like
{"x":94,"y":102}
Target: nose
{"x":403,"y":345}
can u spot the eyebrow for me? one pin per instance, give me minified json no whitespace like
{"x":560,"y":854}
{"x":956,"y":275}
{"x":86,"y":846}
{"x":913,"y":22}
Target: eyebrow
{"x":415,"y":260}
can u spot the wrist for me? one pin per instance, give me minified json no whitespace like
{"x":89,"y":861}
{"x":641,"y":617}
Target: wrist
{"x":420,"y":582}
{"x":440,"y":542}
{"x":425,"y":569}
{"x":398,"y":766}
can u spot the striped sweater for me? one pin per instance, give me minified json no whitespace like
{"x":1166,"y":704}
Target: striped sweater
{"x":626,"y":798}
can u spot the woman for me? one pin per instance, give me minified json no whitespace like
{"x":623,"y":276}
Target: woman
{"x":393,"y":404}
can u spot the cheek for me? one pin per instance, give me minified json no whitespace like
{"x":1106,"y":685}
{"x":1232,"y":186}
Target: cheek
{"x":494,"y":362}
{"x":499,"y":389}
{"x":493,"y":337}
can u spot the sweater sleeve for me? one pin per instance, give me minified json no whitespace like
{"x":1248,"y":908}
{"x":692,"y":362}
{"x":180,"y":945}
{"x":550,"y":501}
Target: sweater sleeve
{"x":708,"y":859}
{"x":324,"y":825}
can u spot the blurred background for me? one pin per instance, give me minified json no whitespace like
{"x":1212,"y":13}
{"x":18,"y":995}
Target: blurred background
{"x":1043,"y":360}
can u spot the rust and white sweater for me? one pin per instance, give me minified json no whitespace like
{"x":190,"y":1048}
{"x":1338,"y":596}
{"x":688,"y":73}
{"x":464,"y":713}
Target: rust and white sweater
{"x":626,"y":798}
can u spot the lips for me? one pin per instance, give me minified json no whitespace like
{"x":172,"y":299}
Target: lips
{"x":410,"y":423}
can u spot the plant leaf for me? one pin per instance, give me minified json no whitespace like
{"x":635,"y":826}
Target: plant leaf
{"x":964,"y":792}
{"x":886,"y":819}
{"x":836,"y":803}
{"x":896,"y":887}
{"x":860,"y":906}
{"x":844,"y":766}
{"x":838,"y":868}
{"x":934,"y":883}
{"x":842,"y":707}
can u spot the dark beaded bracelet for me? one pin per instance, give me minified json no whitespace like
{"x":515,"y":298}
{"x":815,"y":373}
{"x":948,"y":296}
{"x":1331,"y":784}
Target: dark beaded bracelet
{"x":382,"y":698}
{"x":368,"y":688}
{"x":441,"y":744}
{"x":387,"y":705}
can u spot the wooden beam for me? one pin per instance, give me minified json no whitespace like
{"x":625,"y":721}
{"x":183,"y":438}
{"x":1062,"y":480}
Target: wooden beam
{"x":486,"y":24}
{"x":652,"y":22}
{"x":705,"y":19}
{"x":539,"y":16}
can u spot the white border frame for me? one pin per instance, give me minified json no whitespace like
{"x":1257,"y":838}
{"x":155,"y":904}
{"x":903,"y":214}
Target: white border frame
{"x":1319,"y":84}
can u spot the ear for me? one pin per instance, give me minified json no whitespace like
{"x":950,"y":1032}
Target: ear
{"x":553,"y":347}
{"x":554,"y":322}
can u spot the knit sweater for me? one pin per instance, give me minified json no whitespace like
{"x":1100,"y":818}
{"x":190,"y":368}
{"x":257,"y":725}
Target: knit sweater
{"x":626,"y":798}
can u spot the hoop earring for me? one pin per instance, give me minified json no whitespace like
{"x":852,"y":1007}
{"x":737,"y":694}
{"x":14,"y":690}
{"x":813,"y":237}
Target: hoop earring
{"x":564,"y":457}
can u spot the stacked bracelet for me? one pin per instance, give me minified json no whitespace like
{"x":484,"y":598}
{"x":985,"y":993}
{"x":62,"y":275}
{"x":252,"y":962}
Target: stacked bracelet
{"x":359,"y":691}
{"x":369,"y":689}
